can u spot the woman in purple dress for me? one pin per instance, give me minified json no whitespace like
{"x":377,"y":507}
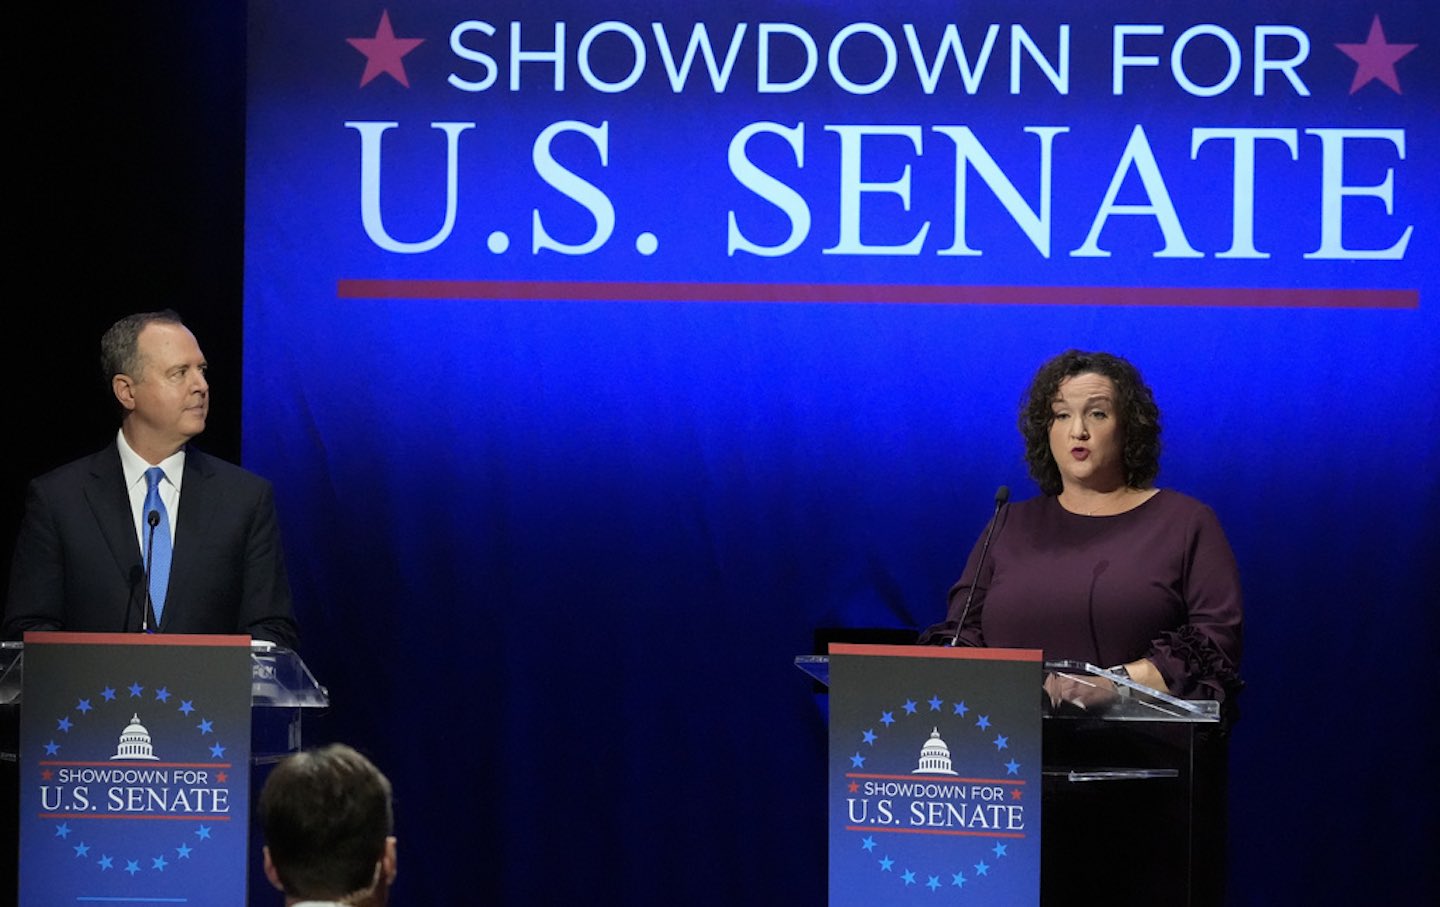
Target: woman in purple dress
{"x":1106,"y":568}
{"x":1103,"y":566}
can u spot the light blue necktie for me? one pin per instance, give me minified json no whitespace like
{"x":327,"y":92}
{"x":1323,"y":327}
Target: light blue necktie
{"x":160,"y":546}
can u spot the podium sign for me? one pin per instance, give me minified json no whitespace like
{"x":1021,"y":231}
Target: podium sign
{"x":134,"y":769}
{"x":935,"y":775}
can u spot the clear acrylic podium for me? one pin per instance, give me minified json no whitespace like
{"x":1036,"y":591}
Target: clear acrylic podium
{"x":281,"y":690}
{"x":1134,"y":793}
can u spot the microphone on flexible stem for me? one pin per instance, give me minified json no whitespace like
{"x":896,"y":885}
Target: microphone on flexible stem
{"x":153,"y":519}
{"x":1002,"y":496}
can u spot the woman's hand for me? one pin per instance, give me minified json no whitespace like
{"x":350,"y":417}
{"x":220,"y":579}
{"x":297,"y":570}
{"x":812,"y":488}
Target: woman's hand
{"x":1083,"y":691}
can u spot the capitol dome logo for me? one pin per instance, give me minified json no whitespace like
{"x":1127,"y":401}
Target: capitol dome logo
{"x":135,"y":743}
{"x":934,"y":757}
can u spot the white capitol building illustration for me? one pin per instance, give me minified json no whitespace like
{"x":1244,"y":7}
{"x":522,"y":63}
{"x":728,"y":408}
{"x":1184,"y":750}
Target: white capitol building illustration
{"x":135,"y":743}
{"x":934,"y":757}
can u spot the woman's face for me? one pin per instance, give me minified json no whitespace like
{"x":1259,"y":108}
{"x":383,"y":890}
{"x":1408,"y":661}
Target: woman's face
{"x":1086,"y":438}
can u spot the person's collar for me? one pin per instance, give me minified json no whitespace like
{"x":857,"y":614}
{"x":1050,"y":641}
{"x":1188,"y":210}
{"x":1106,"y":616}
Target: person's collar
{"x":134,"y":465}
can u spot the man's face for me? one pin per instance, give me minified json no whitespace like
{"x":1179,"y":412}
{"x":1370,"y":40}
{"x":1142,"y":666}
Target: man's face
{"x":168,"y":401}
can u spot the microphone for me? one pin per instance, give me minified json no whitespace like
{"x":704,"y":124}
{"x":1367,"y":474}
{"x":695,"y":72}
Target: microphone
{"x":1002,"y":497}
{"x":153,"y":520}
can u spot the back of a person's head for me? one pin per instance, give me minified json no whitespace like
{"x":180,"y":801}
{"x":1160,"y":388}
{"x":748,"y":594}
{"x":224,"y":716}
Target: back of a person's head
{"x":326,"y":815}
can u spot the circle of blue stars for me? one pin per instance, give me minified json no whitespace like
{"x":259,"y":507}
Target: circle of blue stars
{"x":103,"y":862}
{"x":909,"y":877}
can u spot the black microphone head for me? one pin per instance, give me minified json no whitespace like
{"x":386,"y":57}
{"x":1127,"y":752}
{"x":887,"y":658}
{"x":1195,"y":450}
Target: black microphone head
{"x":1002,"y":494}
{"x":153,"y":518}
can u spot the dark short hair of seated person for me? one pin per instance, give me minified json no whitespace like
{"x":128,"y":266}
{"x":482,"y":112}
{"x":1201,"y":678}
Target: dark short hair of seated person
{"x":328,"y":823}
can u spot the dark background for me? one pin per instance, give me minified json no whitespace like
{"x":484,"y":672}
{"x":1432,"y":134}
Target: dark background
{"x":125,"y":193}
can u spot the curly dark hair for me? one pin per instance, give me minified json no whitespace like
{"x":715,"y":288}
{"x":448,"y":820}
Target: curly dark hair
{"x":1134,"y":406}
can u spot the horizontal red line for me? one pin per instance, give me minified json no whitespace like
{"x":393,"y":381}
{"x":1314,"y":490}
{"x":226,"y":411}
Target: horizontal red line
{"x":927,"y":831}
{"x":134,"y":639}
{"x":148,"y":817}
{"x":137,"y":766}
{"x":946,"y":779}
{"x":973,"y":653}
{"x":922,"y":294}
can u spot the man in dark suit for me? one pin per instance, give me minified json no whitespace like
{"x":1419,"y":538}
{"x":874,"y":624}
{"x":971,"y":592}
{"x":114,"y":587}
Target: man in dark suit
{"x":90,"y":527}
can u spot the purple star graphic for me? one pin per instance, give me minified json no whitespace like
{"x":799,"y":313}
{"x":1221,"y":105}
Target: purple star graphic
{"x":384,"y":52}
{"x":1375,"y":59}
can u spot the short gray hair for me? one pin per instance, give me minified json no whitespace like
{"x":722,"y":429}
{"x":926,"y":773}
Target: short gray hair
{"x":119,"y":346}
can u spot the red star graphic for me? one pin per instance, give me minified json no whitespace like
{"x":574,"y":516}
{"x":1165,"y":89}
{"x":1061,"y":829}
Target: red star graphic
{"x":46,"y":775}
{"x":1375,"y":59}
{"x":854,"y":787}
{"x":384,"y":52}
{"x":1015,"y":794}
{"x":221,"y":777}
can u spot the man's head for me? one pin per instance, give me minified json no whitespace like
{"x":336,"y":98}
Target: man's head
{"x":328,"y":825}
{"x":157,"y":373}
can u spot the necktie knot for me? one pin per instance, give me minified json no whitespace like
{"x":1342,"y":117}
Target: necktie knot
{"x":153,"y":477}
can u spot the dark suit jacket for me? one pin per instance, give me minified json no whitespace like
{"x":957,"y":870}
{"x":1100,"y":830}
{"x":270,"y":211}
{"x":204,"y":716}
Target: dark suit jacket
{"x":77,"y":562}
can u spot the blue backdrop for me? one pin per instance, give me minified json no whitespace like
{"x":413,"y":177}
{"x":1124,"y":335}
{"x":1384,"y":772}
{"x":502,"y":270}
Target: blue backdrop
{"x":590,"y":389}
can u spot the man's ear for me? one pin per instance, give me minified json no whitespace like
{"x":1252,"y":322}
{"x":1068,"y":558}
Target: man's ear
{"x":270,"y":872}
{"x":123,"y":386}
{"x":389,"y":865}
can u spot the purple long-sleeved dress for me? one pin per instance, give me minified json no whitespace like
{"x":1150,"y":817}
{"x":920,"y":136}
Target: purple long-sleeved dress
{"x":1158,"y":582}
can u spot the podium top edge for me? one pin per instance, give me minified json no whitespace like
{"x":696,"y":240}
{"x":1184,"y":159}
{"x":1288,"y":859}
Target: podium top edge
{"x":847,"y":648}
{"x":51,"y":637}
